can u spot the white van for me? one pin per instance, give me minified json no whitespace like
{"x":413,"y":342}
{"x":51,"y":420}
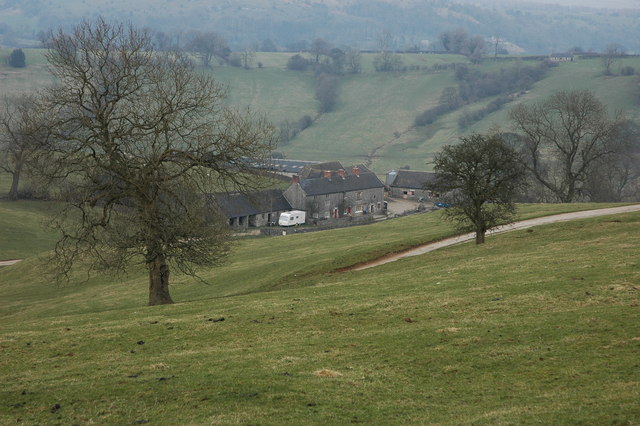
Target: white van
{"x":294,"y":217}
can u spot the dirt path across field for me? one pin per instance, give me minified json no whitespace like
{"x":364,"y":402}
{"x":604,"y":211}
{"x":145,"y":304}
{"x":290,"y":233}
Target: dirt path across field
{"x":9,"y":262}
{"x":511,"y":227}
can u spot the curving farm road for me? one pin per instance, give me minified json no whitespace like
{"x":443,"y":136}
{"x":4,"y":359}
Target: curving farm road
{"x":511,"y":227}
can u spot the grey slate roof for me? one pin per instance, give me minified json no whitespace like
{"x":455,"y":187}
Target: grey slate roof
{"x":412,"y":179}
{"x":313,"y":171}
{"x":239,"y":205}
{"x":336,"y":184}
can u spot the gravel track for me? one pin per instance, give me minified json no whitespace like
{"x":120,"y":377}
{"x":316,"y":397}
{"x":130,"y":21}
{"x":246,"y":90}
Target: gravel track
{"x":564,"y":217}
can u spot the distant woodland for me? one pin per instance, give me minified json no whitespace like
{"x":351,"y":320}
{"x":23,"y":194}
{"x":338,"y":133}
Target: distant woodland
{"x":413,"y":24}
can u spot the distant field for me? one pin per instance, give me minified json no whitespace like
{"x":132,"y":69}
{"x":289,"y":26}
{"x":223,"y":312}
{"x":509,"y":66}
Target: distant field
{"x":15,"y":81}
{"x":375,"y":113}
{"x":534,"y":326}
{"x":22,"y":229}
{"x":373,"y":119}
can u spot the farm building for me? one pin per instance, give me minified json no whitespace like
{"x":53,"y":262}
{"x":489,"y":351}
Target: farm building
{"x":329,"y":191}
{"x":253,"y":210}
{"x":409,"y":184}
{"x":561,"y":57}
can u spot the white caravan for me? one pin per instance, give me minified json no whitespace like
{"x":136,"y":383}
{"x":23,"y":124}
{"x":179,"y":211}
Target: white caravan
{"x":294,"y":217}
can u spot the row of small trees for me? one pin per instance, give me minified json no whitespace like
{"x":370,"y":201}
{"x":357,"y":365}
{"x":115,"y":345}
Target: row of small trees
{"x":474,"y":85}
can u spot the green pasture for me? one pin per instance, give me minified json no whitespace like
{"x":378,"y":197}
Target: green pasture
{"x":538,"y":325}
{"x":284,"y":262}
{"x":373,"y":119}
{"x":373,"y":113}
{"x":23,"y":230}
{"x":276,"y":93}
{"x":17,"y":81}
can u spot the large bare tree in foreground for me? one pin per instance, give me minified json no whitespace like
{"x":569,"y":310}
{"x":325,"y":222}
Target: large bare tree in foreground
{"x":140,"y":140}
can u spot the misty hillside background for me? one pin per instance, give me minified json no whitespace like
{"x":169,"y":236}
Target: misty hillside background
{"x":524,"y":27}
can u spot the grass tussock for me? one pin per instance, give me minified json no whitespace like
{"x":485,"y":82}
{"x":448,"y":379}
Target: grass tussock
{"x":326,"y":373}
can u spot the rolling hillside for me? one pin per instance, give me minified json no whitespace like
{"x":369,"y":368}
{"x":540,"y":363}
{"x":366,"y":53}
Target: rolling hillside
{"x":374,"y":117}
{"x":533,"y":326}
{"x":528,"y":26}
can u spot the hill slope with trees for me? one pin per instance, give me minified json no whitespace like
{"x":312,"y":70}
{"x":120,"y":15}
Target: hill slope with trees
{"x":374,"y":118}
{"x":535,"y":28}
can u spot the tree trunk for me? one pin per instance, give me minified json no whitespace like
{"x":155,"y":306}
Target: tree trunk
{"x":159,"y":282}
{"x":480,"y":235}
{"x":13,"y":192}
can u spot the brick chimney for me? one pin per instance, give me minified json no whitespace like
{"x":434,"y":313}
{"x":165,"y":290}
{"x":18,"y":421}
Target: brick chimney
{"x":327,"y":174}
{"x":356,"y":171}
{"x":341,"y":173}
{"x":295,"y":179}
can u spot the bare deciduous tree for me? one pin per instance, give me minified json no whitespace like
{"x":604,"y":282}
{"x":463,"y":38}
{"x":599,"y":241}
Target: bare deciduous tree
{"x":611,"y":56}
{"x":320,"y":47}
{"x":616,"y":177}
{"x":207,"y":46}
{"x":454,"y":40}
{"x":22,"y":130}
{"x":353,"y":59}
{"x":247,"y":55}
{"x":142,"y":139}
{"x":563,"y":138}
{"x":386,"y":60}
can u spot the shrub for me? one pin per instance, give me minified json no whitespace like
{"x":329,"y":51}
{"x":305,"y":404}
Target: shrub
{"x":628,"y":70}
{"x":297,"y":63}
{"x":17,"y":59}
{"x":235,"y":60}
{"x":305,"y":122}
{"x":327,"y":92}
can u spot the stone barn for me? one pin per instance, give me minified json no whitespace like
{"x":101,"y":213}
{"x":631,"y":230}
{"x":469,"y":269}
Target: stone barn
{"x":329,"y":191}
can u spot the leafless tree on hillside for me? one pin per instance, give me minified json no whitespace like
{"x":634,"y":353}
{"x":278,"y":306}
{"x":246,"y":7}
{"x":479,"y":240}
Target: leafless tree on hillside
{"x":207,"y":46}
{"x":141,"y":139}
{"x":610,"y":57}
{"x":563,"y":139}
{"x":23,"y":129}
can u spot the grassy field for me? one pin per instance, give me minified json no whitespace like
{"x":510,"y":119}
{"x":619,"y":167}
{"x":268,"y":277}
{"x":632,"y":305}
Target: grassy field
{"x":16,"y":81}
{"x":373,"y":119}
{"x":24,"y":231}
{"x":534,"y":326}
